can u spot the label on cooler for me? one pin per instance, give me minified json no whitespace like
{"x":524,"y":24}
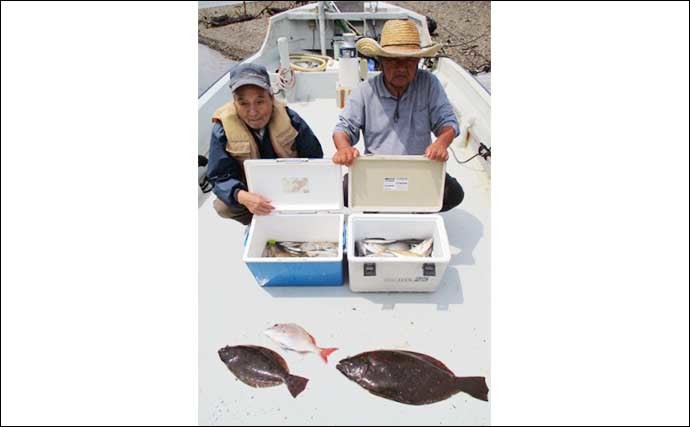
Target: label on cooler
{"x":295,"y":185}
{"x":395,"y":184}
{"x":405,"y":279}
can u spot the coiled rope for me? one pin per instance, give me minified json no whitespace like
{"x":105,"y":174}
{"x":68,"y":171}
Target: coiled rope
{"x":308,"y":62}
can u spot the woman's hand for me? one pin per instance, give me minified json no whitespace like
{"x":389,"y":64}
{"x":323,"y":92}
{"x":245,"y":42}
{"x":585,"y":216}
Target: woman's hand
{"x":254,"y":202}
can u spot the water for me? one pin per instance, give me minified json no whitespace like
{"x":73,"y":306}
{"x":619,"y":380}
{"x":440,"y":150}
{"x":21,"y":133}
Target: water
{"x":212,"y":65}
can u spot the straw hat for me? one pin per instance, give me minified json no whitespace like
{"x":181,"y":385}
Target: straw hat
{"x":399,"y":39}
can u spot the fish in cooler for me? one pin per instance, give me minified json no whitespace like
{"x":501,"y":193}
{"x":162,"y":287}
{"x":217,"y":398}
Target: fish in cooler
{"x":379,"y":247}
{"x":290,"y":249}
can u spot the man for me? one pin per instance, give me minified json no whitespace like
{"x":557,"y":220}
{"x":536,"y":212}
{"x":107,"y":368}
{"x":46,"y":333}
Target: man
{"x":398,"y":109}
{"x":252,"y":126}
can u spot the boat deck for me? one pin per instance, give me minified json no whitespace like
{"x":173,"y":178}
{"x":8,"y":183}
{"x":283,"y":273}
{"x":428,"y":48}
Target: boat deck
{"x":451,"y":324}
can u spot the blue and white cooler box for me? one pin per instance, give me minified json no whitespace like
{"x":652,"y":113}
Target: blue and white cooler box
{"x":308,"y":198}
{"x":396,"y":185}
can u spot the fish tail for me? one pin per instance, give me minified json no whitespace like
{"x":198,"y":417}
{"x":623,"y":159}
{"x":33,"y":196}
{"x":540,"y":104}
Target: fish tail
{"x":474,"y":386}
{"x":296,"y":384}
{"x":325,"y":352}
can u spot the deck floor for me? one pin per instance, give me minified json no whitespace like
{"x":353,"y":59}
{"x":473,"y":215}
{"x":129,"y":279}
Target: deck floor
{"x":451,"y":324}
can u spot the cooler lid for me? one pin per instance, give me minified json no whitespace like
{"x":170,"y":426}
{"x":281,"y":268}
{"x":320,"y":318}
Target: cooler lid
{"x":396,"y":184}
{"x":297,"y":184}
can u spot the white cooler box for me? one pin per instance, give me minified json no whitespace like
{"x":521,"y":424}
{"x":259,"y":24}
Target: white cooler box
{"x":396,"y":184}
{"x":308,"y":196}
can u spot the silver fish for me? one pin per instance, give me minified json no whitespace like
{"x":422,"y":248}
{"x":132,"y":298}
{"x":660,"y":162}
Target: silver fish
{"x":379,"y":247}
{"x":424,"y":248}
{"x":290,"y":249}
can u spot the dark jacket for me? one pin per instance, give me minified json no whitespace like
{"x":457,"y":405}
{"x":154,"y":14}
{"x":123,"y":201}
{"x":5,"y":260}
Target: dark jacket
{"x":224,"y":171}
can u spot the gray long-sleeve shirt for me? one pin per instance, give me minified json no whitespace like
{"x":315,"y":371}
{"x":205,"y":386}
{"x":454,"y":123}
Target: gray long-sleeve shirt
{"x":422,"y":109}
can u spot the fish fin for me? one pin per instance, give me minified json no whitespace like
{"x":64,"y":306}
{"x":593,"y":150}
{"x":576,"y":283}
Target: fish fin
{"x":296,"y":384}
{"x":474,"y":386}
{"x":430,"y":359}
{"x":397,"y":398}
{"x":311,"y":338}
{"x":325,"y":352}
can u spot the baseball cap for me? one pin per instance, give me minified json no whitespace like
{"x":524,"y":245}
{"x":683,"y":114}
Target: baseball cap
{"x":249,"y":74}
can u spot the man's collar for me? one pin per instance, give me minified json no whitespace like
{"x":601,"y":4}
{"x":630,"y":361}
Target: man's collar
{"x":382,"y":88}
{"x":259,"y":132}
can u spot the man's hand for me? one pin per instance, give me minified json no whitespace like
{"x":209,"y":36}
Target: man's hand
{"x":437,"y":151}
{"x":345,"y":156}
{"x":254,"y":202}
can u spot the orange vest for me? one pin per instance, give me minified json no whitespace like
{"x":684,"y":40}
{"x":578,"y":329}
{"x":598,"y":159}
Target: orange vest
{"x":241,"y":144}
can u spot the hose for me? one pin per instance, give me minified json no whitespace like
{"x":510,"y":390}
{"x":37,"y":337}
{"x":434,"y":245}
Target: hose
{"x":296,"y":59}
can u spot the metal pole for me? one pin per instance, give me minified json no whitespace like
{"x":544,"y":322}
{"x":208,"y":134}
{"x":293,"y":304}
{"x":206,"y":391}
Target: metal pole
{"x":322,"y":27}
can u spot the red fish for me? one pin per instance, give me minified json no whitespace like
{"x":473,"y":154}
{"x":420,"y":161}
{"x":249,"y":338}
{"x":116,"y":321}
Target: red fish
{"x":293,"y":337}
